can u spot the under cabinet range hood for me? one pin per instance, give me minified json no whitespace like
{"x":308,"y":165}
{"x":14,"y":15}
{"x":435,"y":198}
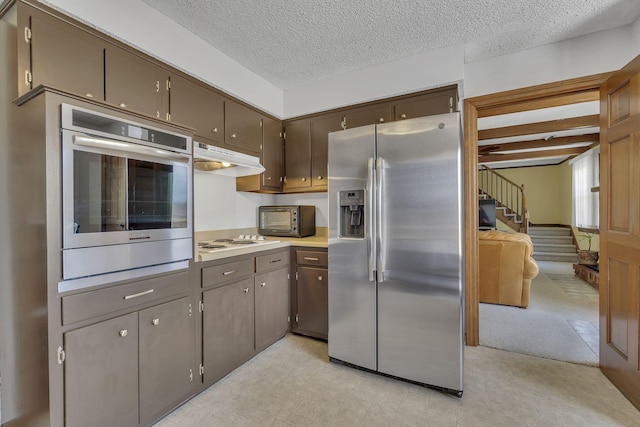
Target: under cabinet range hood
{"x":224,"y":162}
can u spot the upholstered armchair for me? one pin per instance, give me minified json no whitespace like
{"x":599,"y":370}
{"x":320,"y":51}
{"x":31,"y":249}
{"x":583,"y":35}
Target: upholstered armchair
{"x":506,"y":268}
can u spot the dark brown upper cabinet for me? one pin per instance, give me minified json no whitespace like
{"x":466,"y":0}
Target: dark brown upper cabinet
{"x":297,"y":159}
{"x":197,"y":107}
{"x":437,"y":102}
{"x":376,"y":114}
{"x":320,"y":129}
{"x":243,"y":131}
{"x":136,"y":84}
{"x":271,"y":157}
{"x":57,"y":54}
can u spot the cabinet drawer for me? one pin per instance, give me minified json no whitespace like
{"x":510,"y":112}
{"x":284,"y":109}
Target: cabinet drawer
{"x":95,"y":303}
{"x":271,"y":261}
{"x":312,"y":258}
{"x":228,"y":272}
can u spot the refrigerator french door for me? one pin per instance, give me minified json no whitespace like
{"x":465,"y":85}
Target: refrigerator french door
{"x":396,"y":285}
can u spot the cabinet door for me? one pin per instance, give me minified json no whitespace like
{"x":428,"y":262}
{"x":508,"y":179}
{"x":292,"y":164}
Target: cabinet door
{"x":320,"y":129}
{"x":272,"y":306}
{"x":243,"y":128}
{"x":101,"y":374}
{"x":227,"y":328}
{"x":369,"y":116}
{"x":135,"y":84}
{"x":297,"y":159}
{"x":272,"y":154}
{"x":313,"y":301}
{"x":166,"y":344}
{"x":199,"y":108}
{"x":427,"y":105}
{"x":63,"y":56}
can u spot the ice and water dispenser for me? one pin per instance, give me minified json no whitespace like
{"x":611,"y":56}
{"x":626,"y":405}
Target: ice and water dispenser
{"x":352,"y":213}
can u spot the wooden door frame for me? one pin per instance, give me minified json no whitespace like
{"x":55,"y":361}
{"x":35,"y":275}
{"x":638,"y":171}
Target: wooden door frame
{"x":554,"y":94}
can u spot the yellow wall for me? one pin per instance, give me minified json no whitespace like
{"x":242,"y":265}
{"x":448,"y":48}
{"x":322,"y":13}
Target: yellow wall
{"x":547,"y":190}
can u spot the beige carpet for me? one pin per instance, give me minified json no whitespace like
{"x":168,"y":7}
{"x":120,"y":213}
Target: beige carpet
{"x":561,"y":322}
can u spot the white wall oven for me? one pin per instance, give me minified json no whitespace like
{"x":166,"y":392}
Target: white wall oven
{"x":126,"y":194}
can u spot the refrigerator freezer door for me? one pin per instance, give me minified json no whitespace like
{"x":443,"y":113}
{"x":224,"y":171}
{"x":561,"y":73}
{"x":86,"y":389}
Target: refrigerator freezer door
{"x":352,"y":288}
{"x":420,"y":298}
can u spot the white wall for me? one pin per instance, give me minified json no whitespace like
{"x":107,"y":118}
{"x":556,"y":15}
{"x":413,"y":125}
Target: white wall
{"x":419,"y":72}
{"x":141,"y":26}
{"x":635,"y":35}
{"x":591,"y":54}
{"x":319,"y":200}
{"x":217,"y":205}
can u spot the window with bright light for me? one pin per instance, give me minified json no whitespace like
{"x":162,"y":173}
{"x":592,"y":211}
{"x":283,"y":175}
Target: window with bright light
{"x":586,"y":205}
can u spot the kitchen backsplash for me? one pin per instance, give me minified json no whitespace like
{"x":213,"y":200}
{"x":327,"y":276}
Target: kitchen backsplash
{"x":218,"y":206}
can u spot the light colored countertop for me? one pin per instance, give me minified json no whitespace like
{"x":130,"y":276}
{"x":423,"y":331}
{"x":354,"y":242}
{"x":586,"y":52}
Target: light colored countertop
{"x":318,"y":241}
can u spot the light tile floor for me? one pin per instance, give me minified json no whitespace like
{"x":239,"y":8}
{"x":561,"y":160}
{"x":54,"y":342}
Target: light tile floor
{"x":292,"y":383}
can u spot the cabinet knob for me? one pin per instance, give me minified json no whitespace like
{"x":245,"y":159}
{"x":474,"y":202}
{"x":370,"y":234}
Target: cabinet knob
{"x":320,"y":177}
{"x":403,"y":116}
{"x":214,"y":130}
{"x":245,"y":290}
{"x":88,"y":95}
{"x":123,"y":333}
{"x":123,"y":105}
{"x":268,"y":178}
{"x":263,"y":284}
{"x":157,"y":114}
{"x":381,"y":119}
{"x":304,"y":179}
{"x":319,"y":277}
{"x":155,"y":322}
{"x":233,"y":135}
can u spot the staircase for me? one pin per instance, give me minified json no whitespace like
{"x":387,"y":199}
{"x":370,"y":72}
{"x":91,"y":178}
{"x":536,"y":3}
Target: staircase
{"x":511,"y":206}
{"x":553,"y":244}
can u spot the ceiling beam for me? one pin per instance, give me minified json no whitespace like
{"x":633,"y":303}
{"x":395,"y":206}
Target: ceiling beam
{"x":540,"y":127}
{"x":541,"y":143}
{"x":532,"y":155}
{"x":537,"y":104}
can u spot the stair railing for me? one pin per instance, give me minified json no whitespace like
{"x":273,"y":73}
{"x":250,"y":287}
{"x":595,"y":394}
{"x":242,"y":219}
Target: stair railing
{"x":506,"y":192}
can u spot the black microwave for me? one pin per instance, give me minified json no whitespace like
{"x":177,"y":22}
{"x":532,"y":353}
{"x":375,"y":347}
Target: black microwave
{"x":287,"y":221}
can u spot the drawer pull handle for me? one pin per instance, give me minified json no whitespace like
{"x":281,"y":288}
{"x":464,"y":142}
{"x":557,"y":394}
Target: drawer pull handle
{"x":226,"y":273}
{"x":263,"y":284}
{"x":233,"y":135}
{"x":139,"y":294}
{"x":155,"y":322}
{"x":319,"y":277}
{"x":245,"y":290}
{"x":123,"y":333}
{"x":310,"y":258}
{"x":273,"y":261}
{"x":123,"y":105}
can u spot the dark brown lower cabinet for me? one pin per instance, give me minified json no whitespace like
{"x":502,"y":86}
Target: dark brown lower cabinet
{"x":311,"y":293}
{"x":312,"y":301}
{"x":130,"y":369}
{"x":101,"y":374}
{"x":272,"y":306}
{"x":165,"y":355}
{"x":242,"y":316}
{"x":227,"y":328}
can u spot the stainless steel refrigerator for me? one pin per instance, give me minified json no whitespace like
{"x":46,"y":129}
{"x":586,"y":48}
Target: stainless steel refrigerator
{"x":396,"y":282}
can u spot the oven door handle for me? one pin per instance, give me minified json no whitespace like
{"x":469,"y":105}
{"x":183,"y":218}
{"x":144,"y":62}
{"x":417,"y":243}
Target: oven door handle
{"x":94,"y":142}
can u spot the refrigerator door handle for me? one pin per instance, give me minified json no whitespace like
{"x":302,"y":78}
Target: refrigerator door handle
{"x":380,"y":265}
{"x":371,"y":208}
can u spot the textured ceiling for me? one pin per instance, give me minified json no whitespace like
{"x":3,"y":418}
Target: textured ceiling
{"x":290,"y":42}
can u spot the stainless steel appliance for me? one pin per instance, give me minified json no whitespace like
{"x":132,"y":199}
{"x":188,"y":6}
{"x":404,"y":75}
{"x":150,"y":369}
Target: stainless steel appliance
{"x":287,"y":221}
{"x":126,"y":194}
{"x":225,"y":162}
{"x":396,"y":300}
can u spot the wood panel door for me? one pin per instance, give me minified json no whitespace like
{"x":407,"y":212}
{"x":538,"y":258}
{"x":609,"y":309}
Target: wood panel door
{"x":620,"y":230}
